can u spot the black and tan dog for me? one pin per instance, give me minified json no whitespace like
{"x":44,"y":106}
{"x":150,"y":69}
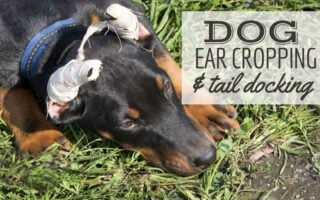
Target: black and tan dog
{"x":134,"y":102}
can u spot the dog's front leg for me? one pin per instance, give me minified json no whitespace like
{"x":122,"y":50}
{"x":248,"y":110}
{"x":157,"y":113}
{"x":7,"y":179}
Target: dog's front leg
{"x":33,"y":133}
{"x":215,"y":119}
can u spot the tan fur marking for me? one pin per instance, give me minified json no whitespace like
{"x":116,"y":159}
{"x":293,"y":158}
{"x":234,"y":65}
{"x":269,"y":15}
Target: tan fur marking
{"x":33,"y":133}
{"x":168,"y":64}
{"x":133,"y":113}
{"x":159,"y":83}
{"x":95,"y":18}
{"x":106,"y":135}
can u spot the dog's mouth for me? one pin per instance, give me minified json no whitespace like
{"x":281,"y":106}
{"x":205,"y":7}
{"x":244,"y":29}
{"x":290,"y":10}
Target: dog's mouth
{"x":184,"y":168}
{"x":174,"y":162}
{"x":177,"y":165}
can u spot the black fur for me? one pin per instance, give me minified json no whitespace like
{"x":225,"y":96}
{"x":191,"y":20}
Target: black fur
{"x":127,"y":79}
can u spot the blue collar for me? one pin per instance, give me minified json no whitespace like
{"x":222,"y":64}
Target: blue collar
{"x":39,"y":44}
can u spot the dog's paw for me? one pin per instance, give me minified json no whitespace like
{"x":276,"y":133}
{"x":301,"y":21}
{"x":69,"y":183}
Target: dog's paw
{"x":217,"y":120}
{"x":37,"y":142}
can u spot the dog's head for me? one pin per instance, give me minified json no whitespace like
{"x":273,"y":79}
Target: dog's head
{"x":133,"y":102}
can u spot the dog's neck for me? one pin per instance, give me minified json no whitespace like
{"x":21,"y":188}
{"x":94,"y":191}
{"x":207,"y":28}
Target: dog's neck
{"x":45,"y":46}
{"x":60,"y":50}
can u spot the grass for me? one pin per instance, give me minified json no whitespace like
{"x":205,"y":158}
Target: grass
{"x":97,"y":169}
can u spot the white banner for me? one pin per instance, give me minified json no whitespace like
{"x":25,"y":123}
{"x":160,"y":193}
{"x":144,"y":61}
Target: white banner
{"x":251,"y":58}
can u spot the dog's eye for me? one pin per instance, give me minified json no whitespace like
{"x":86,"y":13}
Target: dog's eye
{"x":167,"y":86}
{"x":128,"y":124}
{"x":167,"y":89}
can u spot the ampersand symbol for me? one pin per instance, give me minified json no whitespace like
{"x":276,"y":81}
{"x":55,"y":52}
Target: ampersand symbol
{"x":198,"y":83}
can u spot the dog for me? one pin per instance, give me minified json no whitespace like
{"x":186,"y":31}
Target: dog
{"x":134,"y":101}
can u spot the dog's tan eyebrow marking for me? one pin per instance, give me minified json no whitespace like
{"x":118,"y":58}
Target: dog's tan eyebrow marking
{"x":94,"y":18}
{"x":133,"y":113}
{"x":159,"y":83}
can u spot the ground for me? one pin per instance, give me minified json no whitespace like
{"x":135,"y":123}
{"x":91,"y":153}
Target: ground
{"x":282,"y":177}
{"x":97,"y":169}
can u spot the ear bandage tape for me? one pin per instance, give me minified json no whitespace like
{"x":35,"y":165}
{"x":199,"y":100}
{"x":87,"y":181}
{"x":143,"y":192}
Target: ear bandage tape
{"x":125,"y":21}
{"x":64,"y":84}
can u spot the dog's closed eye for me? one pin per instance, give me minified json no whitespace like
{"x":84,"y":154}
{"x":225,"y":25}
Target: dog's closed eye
{"x":167,"y":86}
{"x":128,"y":125}
{"x":167,"y":89}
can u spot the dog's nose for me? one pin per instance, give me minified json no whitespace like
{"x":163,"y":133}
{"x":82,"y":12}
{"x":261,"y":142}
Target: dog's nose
{"x":206,"y":157}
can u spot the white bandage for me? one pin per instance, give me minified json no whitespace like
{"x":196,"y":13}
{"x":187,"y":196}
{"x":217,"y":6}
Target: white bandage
{"x":92,"y":29}
{"x":125,"y":21}
{"x":64,"y":84}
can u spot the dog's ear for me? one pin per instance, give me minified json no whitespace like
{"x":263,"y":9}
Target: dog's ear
{"x":144,"y":33}
{"x":63,"y":85}
{"x":66,"y":112}
{"x":127,"y":23}
{"x":63,"y":89}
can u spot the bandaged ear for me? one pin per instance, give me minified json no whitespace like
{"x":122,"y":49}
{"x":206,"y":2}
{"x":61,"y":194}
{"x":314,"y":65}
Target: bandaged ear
{"x":64,"y":84}
{"x":126,"y":23}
